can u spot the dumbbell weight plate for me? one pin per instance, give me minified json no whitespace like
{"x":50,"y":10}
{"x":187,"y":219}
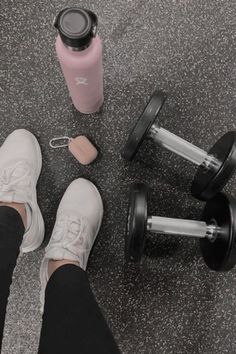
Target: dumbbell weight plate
{"x":143,"y":125}
{"x":208,"y":182}
{"x":220,"y":255}
{"x":136,"y":222}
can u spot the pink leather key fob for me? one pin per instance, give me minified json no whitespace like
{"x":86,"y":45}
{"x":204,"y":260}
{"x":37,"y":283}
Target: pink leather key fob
{"x":80,"y":147}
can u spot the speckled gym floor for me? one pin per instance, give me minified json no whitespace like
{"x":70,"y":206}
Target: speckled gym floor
{"x":172,"y":303}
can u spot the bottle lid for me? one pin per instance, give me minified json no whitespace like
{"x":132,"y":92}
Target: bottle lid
{"x":77,"y":27}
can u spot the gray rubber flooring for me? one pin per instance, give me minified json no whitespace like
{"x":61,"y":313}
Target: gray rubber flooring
{"x":172,"y":303}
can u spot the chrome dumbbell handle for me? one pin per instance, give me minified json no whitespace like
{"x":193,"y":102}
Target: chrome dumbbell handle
{"x":181,"y":147}
{"x":191,"y":228}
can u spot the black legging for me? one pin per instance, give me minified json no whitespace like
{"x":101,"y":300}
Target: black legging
{"x":72,"y":320}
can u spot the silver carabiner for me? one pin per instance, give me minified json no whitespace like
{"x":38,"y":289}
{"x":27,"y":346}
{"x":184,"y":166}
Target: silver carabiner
{"x":66,"y":140}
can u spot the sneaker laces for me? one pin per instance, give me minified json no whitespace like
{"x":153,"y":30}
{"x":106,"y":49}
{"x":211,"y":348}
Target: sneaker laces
{"x":69,"y":233}
{"x":14,"y":176}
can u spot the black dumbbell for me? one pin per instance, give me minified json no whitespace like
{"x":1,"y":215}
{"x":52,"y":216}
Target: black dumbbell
{"x":215,"y":167}
{"x":216,"y":231}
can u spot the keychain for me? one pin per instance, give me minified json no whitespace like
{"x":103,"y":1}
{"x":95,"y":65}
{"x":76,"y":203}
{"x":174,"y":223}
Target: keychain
{"x":80,"y":147}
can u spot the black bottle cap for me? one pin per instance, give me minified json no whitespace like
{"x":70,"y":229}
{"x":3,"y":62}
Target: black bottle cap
{"x":77,"y":27}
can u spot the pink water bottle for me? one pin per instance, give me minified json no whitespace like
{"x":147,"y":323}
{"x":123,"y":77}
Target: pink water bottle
{"x":79,"y":50}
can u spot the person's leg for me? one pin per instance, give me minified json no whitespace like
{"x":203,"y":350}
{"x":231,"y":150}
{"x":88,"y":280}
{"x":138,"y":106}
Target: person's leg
{"x":21,"y":224}
{"x":72,"y":320}
{"x":11,"y":234}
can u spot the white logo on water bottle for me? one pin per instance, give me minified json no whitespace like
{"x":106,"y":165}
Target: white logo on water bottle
{"x":81,"y":81}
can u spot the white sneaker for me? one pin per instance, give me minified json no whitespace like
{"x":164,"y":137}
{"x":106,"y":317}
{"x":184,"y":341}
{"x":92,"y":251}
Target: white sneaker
{"x":20,"y":166}
{"x":78,"y":221}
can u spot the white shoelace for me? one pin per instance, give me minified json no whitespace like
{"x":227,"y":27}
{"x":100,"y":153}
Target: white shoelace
{"x":69,"y":234}
{"x":14,"y":176}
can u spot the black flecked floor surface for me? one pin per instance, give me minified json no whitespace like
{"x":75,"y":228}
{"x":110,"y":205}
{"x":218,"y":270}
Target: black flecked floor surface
{"x":172,"y":303}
